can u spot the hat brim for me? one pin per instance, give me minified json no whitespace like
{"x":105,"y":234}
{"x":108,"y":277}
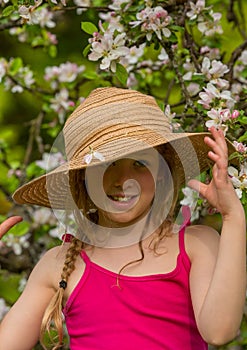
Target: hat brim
{"x":187,"y":152}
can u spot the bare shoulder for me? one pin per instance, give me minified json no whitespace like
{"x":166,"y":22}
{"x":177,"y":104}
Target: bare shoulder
{"x":200,"y":239}
{"x":50,"y":266}
{"x":56,"y":253}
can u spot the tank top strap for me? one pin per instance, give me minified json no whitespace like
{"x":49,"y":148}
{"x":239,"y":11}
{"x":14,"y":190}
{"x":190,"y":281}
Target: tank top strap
{"x":85,"y":257}
{"x":181,"y":240}
{"x":186,"y":214}
{"x":186,"y":222}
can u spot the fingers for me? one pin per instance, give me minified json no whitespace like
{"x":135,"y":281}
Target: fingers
{"x":217,"y":144}
{"x":197,"y":186}
{"x":8,"y":223}
{"x":218,"y":152}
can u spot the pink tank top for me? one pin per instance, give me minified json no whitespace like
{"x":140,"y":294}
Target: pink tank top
{"x":151,"y":312}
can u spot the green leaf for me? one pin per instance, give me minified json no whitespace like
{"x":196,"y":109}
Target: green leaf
{"x":86,"y":50}
{"x":33,"y":170}
{"x":243,"y":119}
{"x":176,"y":28}
{"x":52,"y":51}
{"x":89,"y":27}
{"x":233,"y":155}
{"x":121,"y":74}
{"x":15,"y":65}
{"x":9,"y":284}
{"x":7,"y":11}
{"x":90,"y":75}
{"x":243,"y":137}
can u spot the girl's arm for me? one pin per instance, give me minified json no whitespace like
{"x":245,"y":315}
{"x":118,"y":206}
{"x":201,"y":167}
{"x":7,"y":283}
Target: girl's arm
{"x":20,"y":328}
{"x":218,"y":273}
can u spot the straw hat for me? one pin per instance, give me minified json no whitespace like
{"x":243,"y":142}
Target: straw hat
{"x":109,"y":124}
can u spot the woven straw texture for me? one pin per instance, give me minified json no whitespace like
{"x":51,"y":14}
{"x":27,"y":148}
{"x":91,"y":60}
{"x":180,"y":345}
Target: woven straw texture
{"x":115,"y":122}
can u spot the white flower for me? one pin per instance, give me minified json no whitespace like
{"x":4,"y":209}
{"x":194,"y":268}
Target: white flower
{"x":114,"y":22}
{"x":17,"y":243}
{"x":193,"y":89}
{"x":3,"y":308}
{"x":243,"y":57}
{"x":133,"y":56}
{"x":110,"y":49}
{"x":61,"y":104}
{"x":66,"y":72}
{"x":3,"y":66}
{"x":27,"y":75}
{"x":82,"y":3}
{"x":190,"y":199}
{"x":50,"y":160}
{"x":42,"y":216}
{"x":163,"y":56}
{"x":153,"y":20}
{"x":240,"y":147}
{"x":17,"y":88}
{"x":44,"y":18}
{"x":29,"y":14}
{"x":190,"y":69}
{"x":211,"y":27}
{"x":170,"y":116}
{"x":212,"y":94}
{"x":218,"y":117}
{"x":22,"y":284}
{"x":117,"y":4}
{"x":196,"y":9}
{"x":56,"y":232}
{"x":239,"y":178}
{"x":93,"y":154}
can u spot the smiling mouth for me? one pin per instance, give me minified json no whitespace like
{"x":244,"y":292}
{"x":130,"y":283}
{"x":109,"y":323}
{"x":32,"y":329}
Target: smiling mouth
{"x":122,"y":199}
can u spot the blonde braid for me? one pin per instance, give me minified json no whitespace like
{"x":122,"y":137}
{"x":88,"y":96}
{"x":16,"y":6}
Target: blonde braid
{"x":52,"y":319}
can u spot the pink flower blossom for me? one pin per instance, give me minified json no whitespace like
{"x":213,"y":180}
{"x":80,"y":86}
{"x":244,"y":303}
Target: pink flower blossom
{"x":211,"y":27}
{"x":211,"y":95}
{"x":153,"y":20}
{"x":110,"y":49}
{"x":61,"y":104}
{"x":196,"y":9}
{"x":218,"y":117}
{"x":65,"y":73}
{"x":240,"y":147}
{"x":239,"y":178}
{"x":235,"y":114}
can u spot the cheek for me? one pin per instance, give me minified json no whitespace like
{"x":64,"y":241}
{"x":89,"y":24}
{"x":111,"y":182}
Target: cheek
{"x":147,"y":183}
{"x":106,"y":180}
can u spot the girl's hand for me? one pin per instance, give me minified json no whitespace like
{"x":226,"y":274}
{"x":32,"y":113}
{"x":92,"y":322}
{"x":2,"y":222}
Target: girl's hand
{"x":8,"y":223}
{"x":219,"y":192}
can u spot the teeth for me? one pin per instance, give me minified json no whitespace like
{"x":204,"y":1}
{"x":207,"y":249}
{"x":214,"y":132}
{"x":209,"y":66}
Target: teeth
{"x":121,"y":199}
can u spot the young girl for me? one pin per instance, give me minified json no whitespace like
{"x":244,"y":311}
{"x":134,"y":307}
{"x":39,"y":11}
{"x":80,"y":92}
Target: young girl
{"x":128,"y":277}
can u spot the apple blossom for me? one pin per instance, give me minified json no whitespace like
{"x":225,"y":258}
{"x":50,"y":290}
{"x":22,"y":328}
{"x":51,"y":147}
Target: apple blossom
{"x":239,"y":178}
{"x":110,"y":49}
{"x":211,"y":27}
{"x":4,"y":308}
{"x":17,"y":243}
{"x":196,"y":9}
{"x":153,"y":20}
{"x":61,"y":104}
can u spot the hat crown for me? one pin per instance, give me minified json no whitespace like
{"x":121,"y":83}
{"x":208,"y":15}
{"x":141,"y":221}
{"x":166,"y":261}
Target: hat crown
{"x":112,"y":113}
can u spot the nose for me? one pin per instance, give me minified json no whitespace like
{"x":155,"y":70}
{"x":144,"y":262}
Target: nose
{"x":122,"y":173}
